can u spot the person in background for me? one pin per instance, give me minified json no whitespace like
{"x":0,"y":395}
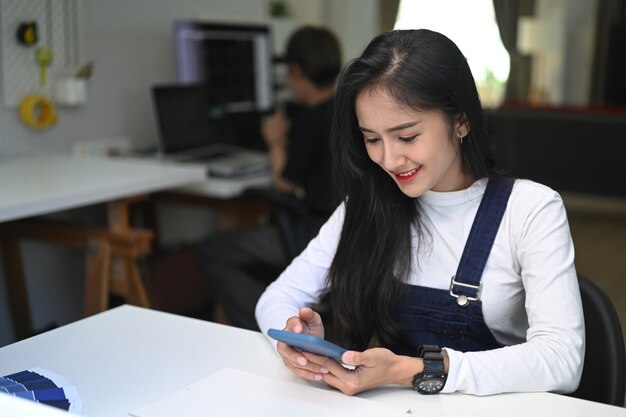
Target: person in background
{"x":241,"y":263}
{"x":444,"y":275}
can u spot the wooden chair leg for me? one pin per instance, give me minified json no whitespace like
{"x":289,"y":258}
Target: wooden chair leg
{"x":118,"y":279}
{"x":137,"y":293}
{"x":16,"y":288}
{"x":97,"y":277}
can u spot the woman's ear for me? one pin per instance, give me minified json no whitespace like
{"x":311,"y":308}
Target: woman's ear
{"x":462,"y":127}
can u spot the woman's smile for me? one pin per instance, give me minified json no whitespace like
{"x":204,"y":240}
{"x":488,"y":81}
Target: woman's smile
{"x":406,"y":176}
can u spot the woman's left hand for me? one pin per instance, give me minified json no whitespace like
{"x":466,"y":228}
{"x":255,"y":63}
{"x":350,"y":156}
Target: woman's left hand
{"x":372,"y":368}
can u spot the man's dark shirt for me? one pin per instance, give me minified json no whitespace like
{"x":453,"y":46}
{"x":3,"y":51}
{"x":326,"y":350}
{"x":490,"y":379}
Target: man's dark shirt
{"x":308,"y":154}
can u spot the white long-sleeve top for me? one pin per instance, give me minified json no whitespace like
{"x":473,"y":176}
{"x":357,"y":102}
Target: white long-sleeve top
{"x":530,"y":295}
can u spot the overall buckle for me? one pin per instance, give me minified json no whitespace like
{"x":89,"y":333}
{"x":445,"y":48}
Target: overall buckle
{"x":462,"y":299}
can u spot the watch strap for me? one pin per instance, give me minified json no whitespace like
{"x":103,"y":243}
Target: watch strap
{"x":423,"y":349}
{"x":434,"y":367}
{"x":433,"y":363}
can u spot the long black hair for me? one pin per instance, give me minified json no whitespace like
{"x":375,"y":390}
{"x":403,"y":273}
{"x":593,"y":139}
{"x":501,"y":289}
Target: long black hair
{"x":423,"y":70}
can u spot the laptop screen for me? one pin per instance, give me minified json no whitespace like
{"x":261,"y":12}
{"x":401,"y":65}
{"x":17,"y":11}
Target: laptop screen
{"x":187,"y":120}
{"x":184,"y":118}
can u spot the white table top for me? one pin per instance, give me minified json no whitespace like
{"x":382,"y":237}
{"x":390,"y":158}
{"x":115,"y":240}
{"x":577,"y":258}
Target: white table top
{"x":128,"y":357}
{"x":35,"y":185}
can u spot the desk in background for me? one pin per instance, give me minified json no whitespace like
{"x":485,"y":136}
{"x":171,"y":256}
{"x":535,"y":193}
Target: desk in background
{"x":127,"y":357}
{"x":225,"y":196}
{"x":37,"y":185}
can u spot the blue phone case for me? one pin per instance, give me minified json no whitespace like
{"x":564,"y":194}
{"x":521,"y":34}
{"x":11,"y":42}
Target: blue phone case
{"x":308,"y":343}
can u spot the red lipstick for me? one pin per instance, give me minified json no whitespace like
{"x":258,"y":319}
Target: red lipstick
{"x":407,"y":175}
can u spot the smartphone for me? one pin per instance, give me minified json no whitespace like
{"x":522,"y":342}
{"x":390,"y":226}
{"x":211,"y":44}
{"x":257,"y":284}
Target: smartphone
{"x":308,"y":343}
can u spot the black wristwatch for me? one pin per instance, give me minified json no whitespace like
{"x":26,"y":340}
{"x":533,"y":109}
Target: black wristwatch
{"x":432,"y":379}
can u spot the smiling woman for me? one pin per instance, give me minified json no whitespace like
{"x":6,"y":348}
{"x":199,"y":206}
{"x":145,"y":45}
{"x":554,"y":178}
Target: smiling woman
{"x":455,"y":274}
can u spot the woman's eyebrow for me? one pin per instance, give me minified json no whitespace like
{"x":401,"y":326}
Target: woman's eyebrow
{"x":392,"y":129}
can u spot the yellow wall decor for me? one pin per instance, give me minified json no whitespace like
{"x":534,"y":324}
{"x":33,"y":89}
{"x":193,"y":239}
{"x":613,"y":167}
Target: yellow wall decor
{"x":60,"y":28}
{"x":38,"y":112}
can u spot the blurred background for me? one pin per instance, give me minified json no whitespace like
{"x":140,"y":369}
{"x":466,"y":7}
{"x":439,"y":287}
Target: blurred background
{"x":551,"y":73}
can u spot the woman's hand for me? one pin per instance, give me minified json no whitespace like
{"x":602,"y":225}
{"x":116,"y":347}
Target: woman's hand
{"x":307,"y":322}
{"x":372,"y":368}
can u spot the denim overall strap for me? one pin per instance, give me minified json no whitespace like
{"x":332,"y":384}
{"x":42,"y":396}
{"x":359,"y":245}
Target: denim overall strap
{"x":432,"y":315}
{"x":466,"y":283}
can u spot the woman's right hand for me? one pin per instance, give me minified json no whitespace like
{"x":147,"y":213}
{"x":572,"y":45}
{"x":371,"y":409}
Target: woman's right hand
{"x":308,"y":322}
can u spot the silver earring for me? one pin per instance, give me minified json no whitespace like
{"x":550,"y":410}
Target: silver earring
{"x":461,"y":140}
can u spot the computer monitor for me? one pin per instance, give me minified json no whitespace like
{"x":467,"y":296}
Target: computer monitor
{"x":234,"y":61}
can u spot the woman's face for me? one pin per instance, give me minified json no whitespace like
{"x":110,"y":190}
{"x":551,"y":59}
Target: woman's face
{"x":414,"y":147}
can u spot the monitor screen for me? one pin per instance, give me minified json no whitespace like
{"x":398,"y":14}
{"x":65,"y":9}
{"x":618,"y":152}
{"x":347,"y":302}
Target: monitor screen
{"x":234,"y":61}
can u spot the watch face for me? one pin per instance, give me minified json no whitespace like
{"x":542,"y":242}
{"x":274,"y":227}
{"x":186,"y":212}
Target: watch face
{"x":431,"y":385}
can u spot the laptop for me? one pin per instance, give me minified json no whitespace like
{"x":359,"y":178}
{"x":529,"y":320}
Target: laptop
{"x":193,"y":130}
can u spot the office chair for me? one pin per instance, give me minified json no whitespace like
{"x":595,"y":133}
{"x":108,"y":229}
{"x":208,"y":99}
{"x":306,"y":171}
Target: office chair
{"x":296,"y":223}
{"x":603,"y":377}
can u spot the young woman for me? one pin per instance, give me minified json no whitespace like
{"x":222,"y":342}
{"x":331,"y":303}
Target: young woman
{"x":464,"y":280}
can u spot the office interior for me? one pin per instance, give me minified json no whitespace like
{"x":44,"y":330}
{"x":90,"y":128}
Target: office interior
{"x":131,"y":47}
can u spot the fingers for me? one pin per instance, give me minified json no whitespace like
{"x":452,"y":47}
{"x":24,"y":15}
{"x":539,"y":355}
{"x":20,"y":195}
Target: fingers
{"x":295,"y":324}
{"x":306,"y":365}
{"x":299,"y":364}
{"x":371,"y":368}
{"x":337,"y":376}
{"x":295,"y":359}
{"x":307,"y":313}
{"x":313,"y":321}
{"x":308,"y":321}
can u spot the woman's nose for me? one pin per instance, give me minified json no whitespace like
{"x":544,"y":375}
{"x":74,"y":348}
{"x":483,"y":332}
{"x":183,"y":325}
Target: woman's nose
{"x":392,"y":156}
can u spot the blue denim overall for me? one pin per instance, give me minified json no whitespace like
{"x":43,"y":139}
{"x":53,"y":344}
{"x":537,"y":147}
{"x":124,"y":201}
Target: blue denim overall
{"x":453,"y":318}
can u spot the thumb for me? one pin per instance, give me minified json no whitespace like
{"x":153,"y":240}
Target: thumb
{"x":352,"y":357}
{"x":294,"y":324}
{"x":312,"y":320}
{"x":309,"y":316}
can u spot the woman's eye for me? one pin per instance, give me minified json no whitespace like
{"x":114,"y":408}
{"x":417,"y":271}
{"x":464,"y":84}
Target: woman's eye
{"x":371,"y":140}
{"x":408,"y":139}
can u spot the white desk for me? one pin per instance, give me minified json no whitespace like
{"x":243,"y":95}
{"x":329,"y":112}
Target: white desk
{"x":129,"y":356}
{"x":35,"y":185}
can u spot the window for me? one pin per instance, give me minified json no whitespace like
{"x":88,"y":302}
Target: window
{"x":472,"y":26}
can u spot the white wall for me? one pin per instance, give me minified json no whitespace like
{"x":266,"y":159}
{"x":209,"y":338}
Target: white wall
{"x":131,"y":43}
{"x":355,"y":21}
